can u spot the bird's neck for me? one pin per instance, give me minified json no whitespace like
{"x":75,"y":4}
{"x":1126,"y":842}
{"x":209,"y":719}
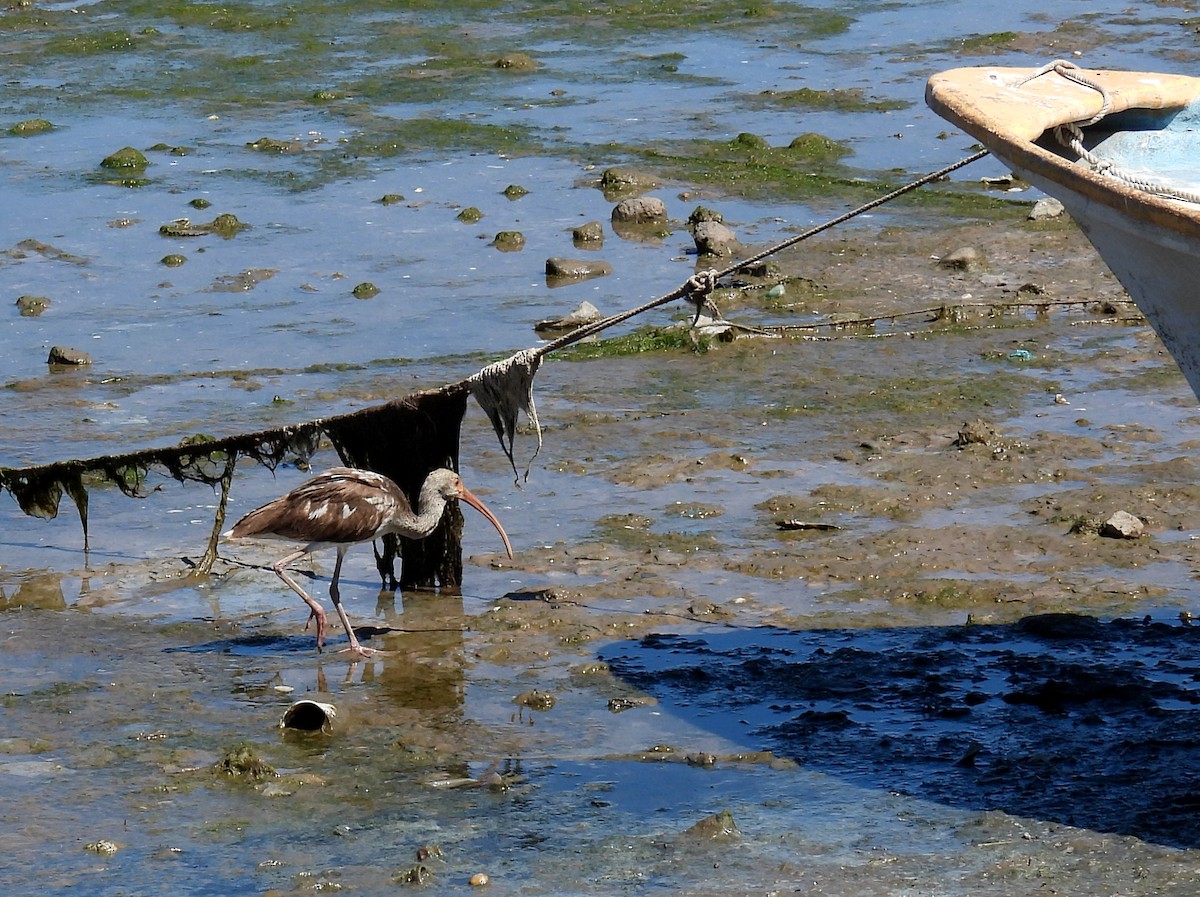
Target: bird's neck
{"x":431,"y":505}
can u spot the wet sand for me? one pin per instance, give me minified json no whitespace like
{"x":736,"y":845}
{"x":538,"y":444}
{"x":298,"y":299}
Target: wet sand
{"x":938,"y":676}
{"x":877,"y":702}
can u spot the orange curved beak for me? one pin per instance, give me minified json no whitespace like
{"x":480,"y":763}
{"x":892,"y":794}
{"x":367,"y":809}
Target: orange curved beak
{"x":465,"y":494}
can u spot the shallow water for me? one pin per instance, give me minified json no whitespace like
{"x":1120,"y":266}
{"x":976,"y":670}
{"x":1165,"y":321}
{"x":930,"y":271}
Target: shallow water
{"x":124,"y":683}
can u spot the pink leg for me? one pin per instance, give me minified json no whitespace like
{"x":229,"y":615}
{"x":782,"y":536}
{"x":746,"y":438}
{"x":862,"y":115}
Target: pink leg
{"x":318,"y":612}
{"x":356,"y":650}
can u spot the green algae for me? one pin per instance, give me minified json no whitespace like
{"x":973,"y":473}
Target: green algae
{"x":638,"y":342}
{"x":976,"y":43}
{"x":835,"y":100}
{"x":30,"y":127}
{"x":422,"y":135}
{"x":125,"y":159}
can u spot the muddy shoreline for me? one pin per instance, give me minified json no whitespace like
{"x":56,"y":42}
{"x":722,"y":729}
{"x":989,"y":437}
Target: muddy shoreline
{"x":899,"y":649}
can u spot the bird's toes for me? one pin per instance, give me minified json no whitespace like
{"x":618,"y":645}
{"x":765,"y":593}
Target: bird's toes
{"x":358,"y":652}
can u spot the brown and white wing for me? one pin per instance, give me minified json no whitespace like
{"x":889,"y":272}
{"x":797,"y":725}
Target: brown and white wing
{"x":341,"y":505}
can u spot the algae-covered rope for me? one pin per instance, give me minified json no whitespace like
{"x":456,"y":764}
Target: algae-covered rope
{"x":702,"y":283}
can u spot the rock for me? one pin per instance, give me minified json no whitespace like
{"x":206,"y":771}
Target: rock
{"x":627,"y":180}
{"x":718,"y":825}
{"x":1046,"y":208}
{"x":640,"y":210}
{"x":575,"y":269}
{"x":68,"y":356}
{"x":714,"y":239}
{"x":509,"y":241}
{"x":514,"y":191}
{"x":967,"y":259}
{"x":244,"y":761}
{"x":584,"y":313}
{"x":365,"y":290}
{"x":30,"y":127}
{"x":536,"y":700}
{"x":516,"y":62}
{"x":702,"y":213}
{"x":125,"y":159}
{"x":470,"y":215}
{"x":749,"y":141}
{"x":271,"y":145}
{"x":1123,"y":525}
{"x":32,"y":306}
{"x":590,"y":235}
{"x":976,"y":432}
{"x":225,"y":225}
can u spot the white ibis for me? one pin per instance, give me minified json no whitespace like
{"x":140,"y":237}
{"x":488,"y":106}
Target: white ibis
{"x":345,"y":506}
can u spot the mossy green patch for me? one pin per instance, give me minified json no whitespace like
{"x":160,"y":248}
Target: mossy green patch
{"x":384,"y":139}
{"x":978,"y":42}
{"x":125,"y":159}
{"x":636,"y":343}
{"x":30,"y":127}
{"x":835,"y":100}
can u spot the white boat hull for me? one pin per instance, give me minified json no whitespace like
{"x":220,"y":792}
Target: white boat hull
{"x":1150,"y":242}
{"x":1158,"y":267}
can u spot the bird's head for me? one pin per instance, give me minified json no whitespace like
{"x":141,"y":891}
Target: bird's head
{"x":449,"y":485}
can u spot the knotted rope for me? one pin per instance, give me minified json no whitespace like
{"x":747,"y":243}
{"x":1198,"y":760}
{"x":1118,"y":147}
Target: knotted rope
{"x":1071,"y":135}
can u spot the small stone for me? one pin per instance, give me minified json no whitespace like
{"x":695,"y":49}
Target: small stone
{"x":173,"y":260}
{"x":271,"y":145}
{"x":576,"y":269}
{"x":226,"y":225}
{"x":103,"y":847}
{"x":30,"y":127}
{"x":1046,"y":208}
{"x":479,"y":879}
{"x":746,"y":140}
{"x":967,"y":259}
{"x":517,"y":62}
{"x":199,"y":203}
{"x":470,"y":215}
{"x":390,"y":199}
{"x":365,"y":290}
{"x":509,"y":241}
{"x":584,"y":313}
{"x":718,"y":825}
{"x":536,"y":700}
{"x":589,"y":235}
{"x":713,"y":238}
{"x":620,"y":178}
{"x":976,"y":432}
{"x":32,"y":306}
{"x":65,"y":355}
{"x":244,"y":761}
{"x":515,"y":191}
{"x":641,"y":210}
{"x":125,"y":159}
{"x":1123,"y":525}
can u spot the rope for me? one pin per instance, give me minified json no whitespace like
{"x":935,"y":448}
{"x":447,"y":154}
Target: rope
{"x":697,"y":287}
{"x":1071,"y":135}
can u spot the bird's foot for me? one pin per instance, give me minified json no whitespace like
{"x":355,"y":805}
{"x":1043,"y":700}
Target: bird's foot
{"x":322,"y":625}
{"x":358,"y":652}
